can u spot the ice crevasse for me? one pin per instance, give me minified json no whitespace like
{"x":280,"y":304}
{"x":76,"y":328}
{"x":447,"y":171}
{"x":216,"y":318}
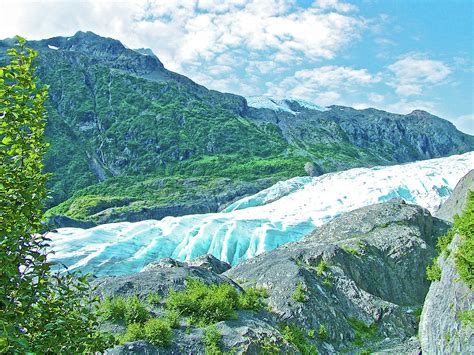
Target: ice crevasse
{"x":283,"y":213}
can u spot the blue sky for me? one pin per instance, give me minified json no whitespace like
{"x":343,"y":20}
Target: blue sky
{"x":396,"y":55}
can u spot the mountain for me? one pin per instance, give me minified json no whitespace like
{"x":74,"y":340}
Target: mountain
{"x":283,"y":213}
{"x":131,"y":140}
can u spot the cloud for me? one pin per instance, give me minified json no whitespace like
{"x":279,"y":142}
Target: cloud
{"x":186,"y":34}
{"x":324,"y":85}
{"x":412,"y":73}
{"x":464,"y":123}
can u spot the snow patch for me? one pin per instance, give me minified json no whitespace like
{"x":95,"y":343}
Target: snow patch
{"x":53,"y":47}
{"x":283,"y":213}
{"x":281,"y":104}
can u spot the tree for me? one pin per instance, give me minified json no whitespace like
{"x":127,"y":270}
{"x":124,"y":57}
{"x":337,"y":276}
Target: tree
{"x":41,"y":310}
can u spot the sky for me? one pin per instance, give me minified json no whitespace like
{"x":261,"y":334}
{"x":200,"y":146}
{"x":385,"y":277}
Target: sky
{"x":395,"y":55}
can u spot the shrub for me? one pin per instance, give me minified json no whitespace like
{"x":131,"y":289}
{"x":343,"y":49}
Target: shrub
{"x":322,"y":266}
{"x":134,"y":332}
{"x":154,"y":298}
{"x":113,"y":308}
{"x":204,"y":304}
{"x":299,"y":294}
{"x":322,"y":332}
{"x":173,"y":317}
{"x":211,"y":340}
{"x":294,"y":335}
{"x":362,"y":331}
{"x":157,"y":332}
{"x":135,"y":310}
{"x":251,"y":299}
{"x":433,"y":272}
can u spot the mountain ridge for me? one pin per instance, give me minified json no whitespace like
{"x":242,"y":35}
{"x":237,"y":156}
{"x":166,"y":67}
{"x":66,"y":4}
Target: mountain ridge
{"x":127,"y":135}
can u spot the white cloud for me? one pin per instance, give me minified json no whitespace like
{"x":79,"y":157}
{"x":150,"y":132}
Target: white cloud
{"x":412,"y":73}
{"x":326,"y":85}
{"x":187,"y":32}
{"x":464,"y":123}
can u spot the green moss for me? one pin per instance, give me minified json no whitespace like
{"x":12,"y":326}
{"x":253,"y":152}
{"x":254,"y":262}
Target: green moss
{"x":433,"y":272}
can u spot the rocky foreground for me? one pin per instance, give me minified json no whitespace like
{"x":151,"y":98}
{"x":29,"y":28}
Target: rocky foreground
{"x":355,"y":285}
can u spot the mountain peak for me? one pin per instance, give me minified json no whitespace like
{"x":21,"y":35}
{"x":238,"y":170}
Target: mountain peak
{"x":285,"y":104}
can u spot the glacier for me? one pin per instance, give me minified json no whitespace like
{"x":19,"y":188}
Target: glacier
{"x":283,"y":213}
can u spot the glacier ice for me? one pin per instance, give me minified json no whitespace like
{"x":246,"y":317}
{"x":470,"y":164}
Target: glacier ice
{"x":280,"y":214}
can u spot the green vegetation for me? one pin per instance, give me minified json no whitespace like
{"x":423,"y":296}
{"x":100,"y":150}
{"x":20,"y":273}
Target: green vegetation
{"x":155,"y":330}
{"x":299,"y":294}
{"x":41,"y":311}
{"x":211,"y":340}
{"x":252,"y":298}
{"x":158,"y":332}
{"x":322,"y":266}
{"x":295,"y":335}
{"x":467,"y":318}
{"x":464,"y":256}
{"x":363,"y":333}
{"x":154,"y":298}
{"x":131,"y":310}
{"x":204,"y":304}
{"x":322,"y":332}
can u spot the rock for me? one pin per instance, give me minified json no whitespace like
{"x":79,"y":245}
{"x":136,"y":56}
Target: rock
{"x":408,"y":347}
{"x":373,"y":282}
{"x":441,"y":331}
{"x":208,"y":262}
{"x":158,"y":280}
{"x":63,"y":221}
{"x":457,"y":200}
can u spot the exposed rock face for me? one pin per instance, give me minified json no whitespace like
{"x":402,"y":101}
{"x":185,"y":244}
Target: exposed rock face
{"x":441,"y":330}
{"x":457,"y":200}
{"x":208,"y":261}
{"x":376,"y":259}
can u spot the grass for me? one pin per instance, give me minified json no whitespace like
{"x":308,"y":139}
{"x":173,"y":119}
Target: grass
{"x":252,"y":298}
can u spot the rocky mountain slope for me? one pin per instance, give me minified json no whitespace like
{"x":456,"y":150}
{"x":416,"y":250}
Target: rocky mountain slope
{"x":127,"y":134}
{"x":447,"y":320}
{"x":356,"y":284}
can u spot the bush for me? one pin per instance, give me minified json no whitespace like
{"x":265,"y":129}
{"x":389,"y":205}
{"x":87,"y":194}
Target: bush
{"x":134,"y":332}
{"x":294,"y":335}
{"x":135,"y":311}
{"x":204,"y":304}
{"x":322,"y":266}
{"x":299,"y":294}
{"x":157,"y":332}
{"x":173,"y":317}
{"x":154,"y":298}
{"x":113,"y":308}
{"x":211,"y":340}
{"x":322,"y":332}
{"x":251,"y":299}
{"x":433,"y":272}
